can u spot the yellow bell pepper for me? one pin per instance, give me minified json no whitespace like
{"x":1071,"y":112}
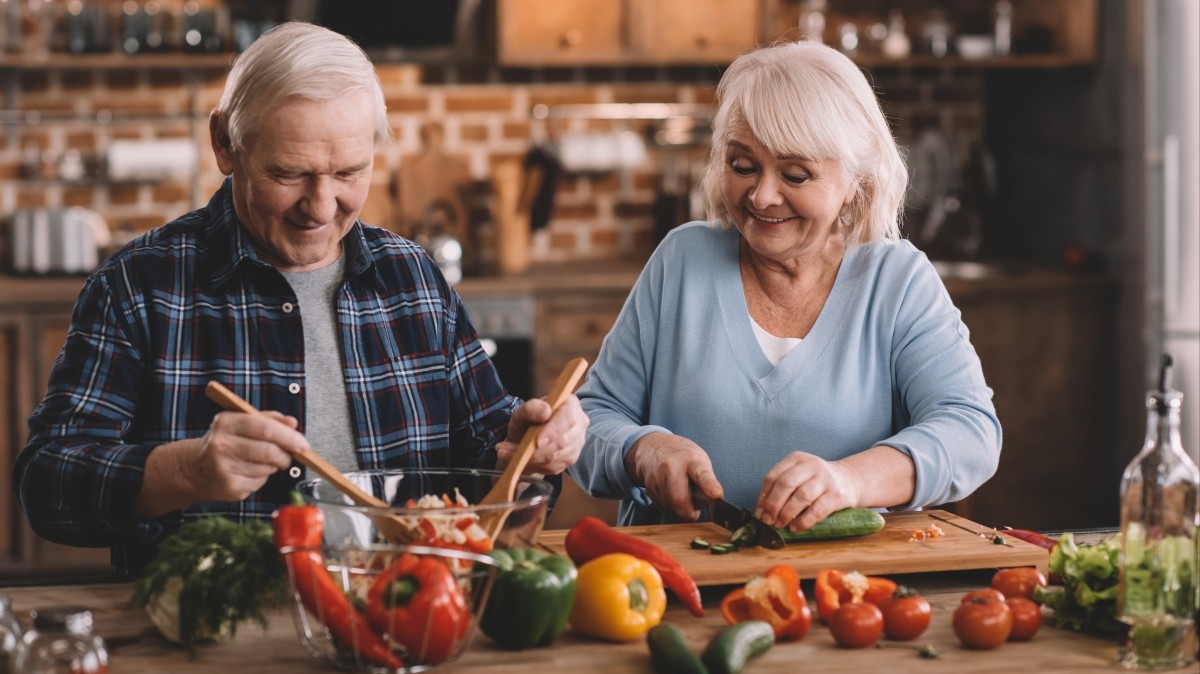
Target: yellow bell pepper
{"x":617,"y":597}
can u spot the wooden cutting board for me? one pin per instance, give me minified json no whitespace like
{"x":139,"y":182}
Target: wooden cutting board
{"x":885,"y":552}
{"x":432,"y":180}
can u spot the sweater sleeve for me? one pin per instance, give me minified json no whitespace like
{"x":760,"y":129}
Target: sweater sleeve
{"x":616,"y":395}
{"x":947,"y":422}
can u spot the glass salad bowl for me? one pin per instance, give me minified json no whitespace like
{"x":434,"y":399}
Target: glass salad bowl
{"x":365,"y":603}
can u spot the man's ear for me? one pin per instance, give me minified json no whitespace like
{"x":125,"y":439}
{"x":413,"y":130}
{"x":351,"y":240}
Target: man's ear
{"x":222,"y":144}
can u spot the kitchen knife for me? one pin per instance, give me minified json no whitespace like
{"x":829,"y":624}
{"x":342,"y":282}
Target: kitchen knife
{"x":727,"y":515}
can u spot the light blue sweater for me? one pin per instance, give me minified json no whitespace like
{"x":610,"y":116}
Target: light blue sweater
{"x":888,"y":362}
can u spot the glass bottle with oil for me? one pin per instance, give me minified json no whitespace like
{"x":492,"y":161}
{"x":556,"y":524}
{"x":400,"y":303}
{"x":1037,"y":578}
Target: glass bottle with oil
{"x":1157,"y":595}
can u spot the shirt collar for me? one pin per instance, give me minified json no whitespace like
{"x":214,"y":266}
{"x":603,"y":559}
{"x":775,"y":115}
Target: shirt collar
{"x":230,"y":246}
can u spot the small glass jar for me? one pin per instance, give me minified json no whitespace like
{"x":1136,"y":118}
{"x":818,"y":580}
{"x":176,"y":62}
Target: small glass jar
{"x":10,"y":637}
{"x":62,"y":642}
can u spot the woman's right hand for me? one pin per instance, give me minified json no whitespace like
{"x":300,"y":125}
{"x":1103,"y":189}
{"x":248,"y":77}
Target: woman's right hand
{"x":667,"y":466}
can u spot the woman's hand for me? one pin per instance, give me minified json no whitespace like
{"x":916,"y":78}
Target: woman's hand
{"x":558,"y":442}
{"x":667,"y":466}
{"x":804,"y":489}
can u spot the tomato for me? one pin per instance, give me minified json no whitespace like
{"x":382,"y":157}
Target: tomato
{"x":906,"y":614}
{"x":856,"y":625}
{"x":1018,"y":582}
{"x":1026,"y":618}
{"x":989,"y":594}
{"x":983,"y":621}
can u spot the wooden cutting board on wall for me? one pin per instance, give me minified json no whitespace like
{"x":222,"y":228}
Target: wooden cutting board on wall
{"x":432,"y":180}
{"x":883,"y":553}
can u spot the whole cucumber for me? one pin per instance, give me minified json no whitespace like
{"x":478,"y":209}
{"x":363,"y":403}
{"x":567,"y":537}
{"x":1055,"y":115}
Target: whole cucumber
{"x":841,"y":524}
{"x":669,"y":652}
{"x":733,"y":646}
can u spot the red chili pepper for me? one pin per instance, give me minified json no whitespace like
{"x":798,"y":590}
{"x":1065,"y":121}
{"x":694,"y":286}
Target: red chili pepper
{"x":591,"y":537}
{"x":298,"y":537}
{"x":830,"y":592}
{"x":1040,"y":540}
{"x":416,"y":601}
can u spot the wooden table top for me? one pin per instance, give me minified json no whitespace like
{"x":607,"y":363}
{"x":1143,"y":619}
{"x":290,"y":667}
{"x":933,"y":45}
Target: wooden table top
{"x":136,"y":648}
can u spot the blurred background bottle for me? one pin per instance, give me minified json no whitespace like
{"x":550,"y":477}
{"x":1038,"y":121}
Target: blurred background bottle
{"x":1156,"y":597}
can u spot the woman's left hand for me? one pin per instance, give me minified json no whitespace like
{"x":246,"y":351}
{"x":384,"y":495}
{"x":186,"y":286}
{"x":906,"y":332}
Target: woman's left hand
{"x":804,"y":489}
{"x":558,"y":442}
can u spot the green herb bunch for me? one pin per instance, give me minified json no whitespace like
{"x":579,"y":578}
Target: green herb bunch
{"x":230,"y":573}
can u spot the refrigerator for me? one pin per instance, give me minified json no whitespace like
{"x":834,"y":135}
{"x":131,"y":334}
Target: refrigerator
{"x":1172,"y":200}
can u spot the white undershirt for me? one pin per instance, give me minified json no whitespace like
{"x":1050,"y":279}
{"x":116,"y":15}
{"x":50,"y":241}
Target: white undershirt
{"x":774,"y":348}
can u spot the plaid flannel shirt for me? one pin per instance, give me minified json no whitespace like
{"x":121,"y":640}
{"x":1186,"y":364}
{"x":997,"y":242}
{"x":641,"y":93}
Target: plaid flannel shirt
{"x":191,"y":302}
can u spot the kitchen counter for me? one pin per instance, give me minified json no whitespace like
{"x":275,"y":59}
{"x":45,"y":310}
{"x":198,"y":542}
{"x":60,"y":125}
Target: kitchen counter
{"x":135,"y":647}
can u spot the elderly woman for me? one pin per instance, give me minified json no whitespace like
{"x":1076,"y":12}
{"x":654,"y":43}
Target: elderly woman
{"x":793,"y":354}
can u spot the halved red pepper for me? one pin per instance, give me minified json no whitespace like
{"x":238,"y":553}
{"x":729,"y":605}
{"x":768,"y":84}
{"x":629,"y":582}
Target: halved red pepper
{"x":830,"y":591}
{"x":416,"y":601}
{"x":298,"y":531}
{"x":774,"y":597}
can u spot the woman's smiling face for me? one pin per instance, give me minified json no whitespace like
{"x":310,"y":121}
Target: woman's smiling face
{"x":784,"y":207}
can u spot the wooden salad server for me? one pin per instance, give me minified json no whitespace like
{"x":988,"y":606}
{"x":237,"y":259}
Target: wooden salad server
{"x":504,"y":490}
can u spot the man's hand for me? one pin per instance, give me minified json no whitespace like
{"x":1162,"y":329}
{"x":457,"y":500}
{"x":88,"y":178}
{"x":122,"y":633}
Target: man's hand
{"x":558,"y":442}
{"x":667,"y":466}
{"x":228,"y":463}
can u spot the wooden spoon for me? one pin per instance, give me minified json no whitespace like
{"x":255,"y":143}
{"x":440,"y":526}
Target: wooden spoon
{"x":390,"y":526}
{"x":504,"y":490}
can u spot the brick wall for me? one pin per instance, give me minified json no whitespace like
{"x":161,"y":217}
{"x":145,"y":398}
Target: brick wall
{"x":598,"y":216}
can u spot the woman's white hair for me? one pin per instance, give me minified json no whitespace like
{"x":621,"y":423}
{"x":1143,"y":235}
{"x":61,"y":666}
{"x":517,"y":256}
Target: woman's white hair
{"x":805,"y":99}
{"x":302,"y":60}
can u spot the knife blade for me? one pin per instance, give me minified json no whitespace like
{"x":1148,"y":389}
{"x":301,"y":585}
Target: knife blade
{"x":728,"y":516}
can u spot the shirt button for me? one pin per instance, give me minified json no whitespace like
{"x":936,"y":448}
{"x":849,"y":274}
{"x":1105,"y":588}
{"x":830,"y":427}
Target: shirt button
{"x":287,"y":307}
{"x":293,"y":387}
{"x":294,"y":472}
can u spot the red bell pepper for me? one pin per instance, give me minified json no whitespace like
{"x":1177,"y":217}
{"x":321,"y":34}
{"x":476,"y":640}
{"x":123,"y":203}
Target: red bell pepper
{"x":417,"y":602}
{"x":591,"y":537}
{"x":776,"y":598}
{"x":830,"y":591}
{"x":298,"y":538}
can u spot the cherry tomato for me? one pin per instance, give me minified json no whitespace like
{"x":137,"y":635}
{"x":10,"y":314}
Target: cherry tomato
{"x":1018,"y":582}
{"x":906,"y":614}
{"x":983,"y":622}
{"x":1026,"y":618}
{"x":856,"y":625}
{"x":990,"y":594}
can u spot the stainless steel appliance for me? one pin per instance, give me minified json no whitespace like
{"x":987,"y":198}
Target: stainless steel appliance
{"x":505,"y":323}
{"x":1172,"y":152}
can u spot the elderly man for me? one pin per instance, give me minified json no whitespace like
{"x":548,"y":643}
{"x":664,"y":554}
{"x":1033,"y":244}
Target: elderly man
{"x":346,"y":333}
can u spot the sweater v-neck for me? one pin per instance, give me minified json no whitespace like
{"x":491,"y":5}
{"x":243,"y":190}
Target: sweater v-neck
{"x":735,"y":316}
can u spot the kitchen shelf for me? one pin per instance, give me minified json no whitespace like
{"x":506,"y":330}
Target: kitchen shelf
{"x":118,"y":61}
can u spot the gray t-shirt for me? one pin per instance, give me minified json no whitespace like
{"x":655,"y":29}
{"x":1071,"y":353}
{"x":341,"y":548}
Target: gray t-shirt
{"x":327,"y":423}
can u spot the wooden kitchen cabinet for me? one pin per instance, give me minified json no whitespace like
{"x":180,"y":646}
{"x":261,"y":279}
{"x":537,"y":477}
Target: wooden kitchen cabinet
{"x":624,"y":32}
{"x":1047,"y":342}
{"x":34,"y":318}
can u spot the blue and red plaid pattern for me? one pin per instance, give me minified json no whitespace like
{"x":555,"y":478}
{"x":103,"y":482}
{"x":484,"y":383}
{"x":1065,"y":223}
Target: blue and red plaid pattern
{"x":190,"y":302}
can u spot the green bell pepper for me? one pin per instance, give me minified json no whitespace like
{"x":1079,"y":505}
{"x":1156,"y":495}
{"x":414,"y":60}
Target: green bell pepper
{"x":531,"y":598}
